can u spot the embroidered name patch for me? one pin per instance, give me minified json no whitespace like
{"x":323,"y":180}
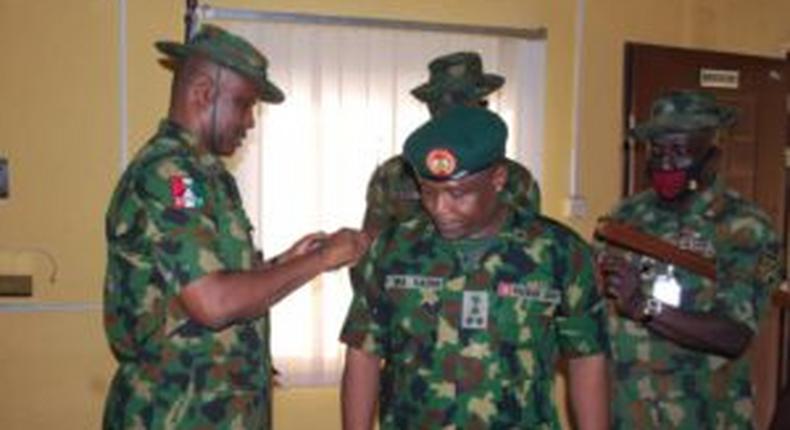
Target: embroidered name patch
{"x":533,"y":290}
{"x":413,"y":282}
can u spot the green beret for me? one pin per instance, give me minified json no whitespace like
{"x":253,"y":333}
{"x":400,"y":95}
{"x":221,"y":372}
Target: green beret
{"x":458,"y":73}
{"x":231,"y":51}
{"x":463,"y":141}
{"x":684,"y":112}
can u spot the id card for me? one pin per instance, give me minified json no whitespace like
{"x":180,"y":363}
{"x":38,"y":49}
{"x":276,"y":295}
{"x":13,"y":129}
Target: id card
{"x":667,"y":289}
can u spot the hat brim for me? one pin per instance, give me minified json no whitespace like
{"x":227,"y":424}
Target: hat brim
{"x":667,"y":124}
{"x":430,"y":91}
{"x":267,"y":90}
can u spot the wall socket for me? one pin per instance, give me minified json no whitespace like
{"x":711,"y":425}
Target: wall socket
{"x":575,"y":207}
{"x":16,"y":285}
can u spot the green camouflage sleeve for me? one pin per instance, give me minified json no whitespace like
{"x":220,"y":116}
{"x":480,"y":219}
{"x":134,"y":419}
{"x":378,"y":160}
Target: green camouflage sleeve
{"x":392,"y":196}
{"x":363,"y":327}
{"x":749,"y":268}
{"x":178,"y":203}
{"x":377,"y":217}
{"x":521,"y":189}
{"x":582,"y":321}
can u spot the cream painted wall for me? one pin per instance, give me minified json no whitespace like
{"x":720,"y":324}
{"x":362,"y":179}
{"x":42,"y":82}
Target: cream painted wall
{"x":59,"y":131}
{"x":59,"y":122}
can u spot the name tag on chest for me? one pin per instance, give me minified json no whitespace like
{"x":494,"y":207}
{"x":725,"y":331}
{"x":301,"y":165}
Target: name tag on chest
{"x":413,"y":282}
{"x":535,"y":291}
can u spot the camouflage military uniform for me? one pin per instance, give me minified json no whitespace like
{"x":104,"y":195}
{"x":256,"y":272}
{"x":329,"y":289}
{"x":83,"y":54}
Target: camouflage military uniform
{"x":470,"y":329}
{"x":393,"y":196}
{"x":659,"y":384}
{"x":176,"y":215}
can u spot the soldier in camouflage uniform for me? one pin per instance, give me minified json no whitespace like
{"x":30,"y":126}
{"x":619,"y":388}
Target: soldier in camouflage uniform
{"x":455,"y":79}
{"x":678,"y":337}
{"x":470,"y":306}
{"x":185,"y":303}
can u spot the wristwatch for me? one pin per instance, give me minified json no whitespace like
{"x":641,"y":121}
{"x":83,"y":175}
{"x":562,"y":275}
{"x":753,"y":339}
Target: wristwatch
{"x":651,"y":308}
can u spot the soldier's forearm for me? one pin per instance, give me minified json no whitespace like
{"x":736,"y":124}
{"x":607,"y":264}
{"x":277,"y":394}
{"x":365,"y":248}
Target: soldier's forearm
{"x":359,"y":389}
{"x":589,"y":392}
{"x":705,"y":332}
{"x":218,"y":299}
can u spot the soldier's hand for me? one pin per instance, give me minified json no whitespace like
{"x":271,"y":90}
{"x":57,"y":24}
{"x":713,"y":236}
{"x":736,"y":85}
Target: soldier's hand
{"x":344,"y":247}
{"x":309,"y":242}
{"x":621,"y":283}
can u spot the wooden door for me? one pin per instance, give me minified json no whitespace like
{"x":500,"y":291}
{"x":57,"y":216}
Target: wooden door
{"x":753,"y":152}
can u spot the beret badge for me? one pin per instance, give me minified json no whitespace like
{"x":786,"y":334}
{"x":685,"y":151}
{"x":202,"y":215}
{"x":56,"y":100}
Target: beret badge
{"x":441,"y":162}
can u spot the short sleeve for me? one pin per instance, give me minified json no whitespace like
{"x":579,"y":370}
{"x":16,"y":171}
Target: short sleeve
{"x":749,"y":268}
{"x":179,"y":200}
{"x":582,"y":321}
{"x":366,"y":321}
{"x":376,"y":214}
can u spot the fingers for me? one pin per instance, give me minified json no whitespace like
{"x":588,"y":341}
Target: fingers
{"x":312,"y":241}
{"x":345,"y":247}
{"x":621,"y":283}
{"x":619,"y":279}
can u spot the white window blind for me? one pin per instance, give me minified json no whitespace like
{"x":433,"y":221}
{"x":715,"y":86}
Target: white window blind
{"x":348,"y":108}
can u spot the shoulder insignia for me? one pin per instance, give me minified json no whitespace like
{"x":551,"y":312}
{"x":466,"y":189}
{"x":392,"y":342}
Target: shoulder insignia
{"x":184,"y":193}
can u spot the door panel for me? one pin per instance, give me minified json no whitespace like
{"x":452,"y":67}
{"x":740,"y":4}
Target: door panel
{"x":752,"y":162}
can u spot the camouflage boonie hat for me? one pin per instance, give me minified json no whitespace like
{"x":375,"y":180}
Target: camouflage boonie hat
{"x":684,"y":111}
{"x":459,"y":143}
{"x":231,"y":51}
{"x":459,"y":72}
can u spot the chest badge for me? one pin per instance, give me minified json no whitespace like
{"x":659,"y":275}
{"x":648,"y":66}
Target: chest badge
{"x":184,"y":192}
{"x":474,"y":314}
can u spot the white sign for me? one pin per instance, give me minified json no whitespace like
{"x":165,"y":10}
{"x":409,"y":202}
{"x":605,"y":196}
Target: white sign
{"x":714,"y":78}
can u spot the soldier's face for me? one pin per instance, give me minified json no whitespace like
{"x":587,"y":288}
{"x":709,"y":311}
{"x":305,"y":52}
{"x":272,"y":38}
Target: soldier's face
{"x":678,"y":151}
{"x":467,"y":207}
{"x":234,"y":113}
{"x":675,"y":160}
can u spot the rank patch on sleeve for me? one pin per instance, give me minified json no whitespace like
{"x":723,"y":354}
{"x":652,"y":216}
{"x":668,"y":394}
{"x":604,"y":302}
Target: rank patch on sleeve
{"x":184,"y":193}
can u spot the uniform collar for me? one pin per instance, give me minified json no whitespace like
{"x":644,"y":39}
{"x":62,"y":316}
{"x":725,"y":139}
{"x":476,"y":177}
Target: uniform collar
{"x":703,"y":202}
{"x":211,"y":162}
